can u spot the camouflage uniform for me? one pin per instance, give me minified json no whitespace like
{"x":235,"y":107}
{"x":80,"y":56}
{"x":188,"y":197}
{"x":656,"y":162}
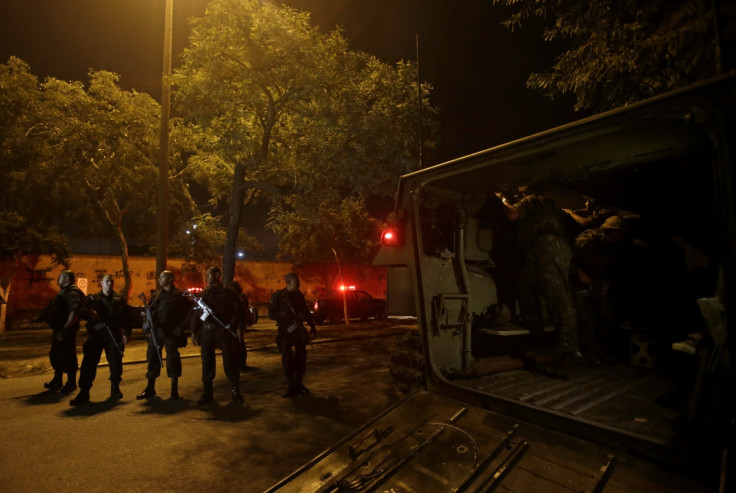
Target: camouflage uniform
{"x":111,"y":310}
{"x":289,"y":310}
{"x":545,"y":270}
{"x":224,"y":303}
{"x":170,"y":311}
{"x":591,"y":254}
{"x":63,"y":353}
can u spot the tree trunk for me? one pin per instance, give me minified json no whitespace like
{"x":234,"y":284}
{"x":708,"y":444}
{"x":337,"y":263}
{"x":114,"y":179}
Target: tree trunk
{"x":236,"y":203}
{"x":233,"y":225}
{"x":5,"y":284}
{"x":3,"y":307}
{"x":124,"y":259}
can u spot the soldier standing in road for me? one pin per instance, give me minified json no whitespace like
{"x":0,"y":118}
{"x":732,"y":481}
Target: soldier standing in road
{"x":218,"y":329}
{"x":108,"y":329}
{"x":289,"y":308}
{"x":64,"y":322}
{"x":170,"y":310}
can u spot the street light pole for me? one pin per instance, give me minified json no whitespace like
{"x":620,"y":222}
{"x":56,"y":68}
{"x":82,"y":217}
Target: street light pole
{"x":162,"y":214}
{"x":342,"y":288}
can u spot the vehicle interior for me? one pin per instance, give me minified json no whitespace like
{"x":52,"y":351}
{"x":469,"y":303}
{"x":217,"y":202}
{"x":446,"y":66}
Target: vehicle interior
{"x":655,"y":365}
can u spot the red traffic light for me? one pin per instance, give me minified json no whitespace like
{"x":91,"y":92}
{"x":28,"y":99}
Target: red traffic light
{"x":391,"y":237}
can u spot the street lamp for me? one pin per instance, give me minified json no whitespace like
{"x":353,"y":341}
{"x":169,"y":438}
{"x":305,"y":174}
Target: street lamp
{"x":163,"y":164}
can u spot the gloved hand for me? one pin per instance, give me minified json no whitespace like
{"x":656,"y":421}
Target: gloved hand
{"x":313,"y":332}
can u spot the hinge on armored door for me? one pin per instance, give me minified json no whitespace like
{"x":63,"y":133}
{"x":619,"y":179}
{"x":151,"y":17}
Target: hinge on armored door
{"x":449,"y":312}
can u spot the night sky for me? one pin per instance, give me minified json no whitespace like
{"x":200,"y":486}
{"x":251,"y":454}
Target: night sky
{"x":477,"y":67}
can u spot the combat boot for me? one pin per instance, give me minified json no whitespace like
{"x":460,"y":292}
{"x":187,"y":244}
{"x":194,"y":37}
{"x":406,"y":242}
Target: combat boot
{"x":149,"y":391}
{"x":236,"y":397}
{"x":300,"y":386}
{"x":174,"y":389}
{"x":293,"y":389}
{"x":115,"y":391}
{"x":70,"y":385}
{"x":55,"y":383}
{"x":81,"y":398}
{"x":207,"y":396}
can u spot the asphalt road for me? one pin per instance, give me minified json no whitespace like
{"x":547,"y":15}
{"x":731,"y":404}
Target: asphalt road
{"x":161,"y":445}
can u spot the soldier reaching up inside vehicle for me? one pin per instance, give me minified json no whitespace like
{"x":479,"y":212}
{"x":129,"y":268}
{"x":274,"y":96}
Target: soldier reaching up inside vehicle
{"x":590,"y":275}
{"x":541,"y":236}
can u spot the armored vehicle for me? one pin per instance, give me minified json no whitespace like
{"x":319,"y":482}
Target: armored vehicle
{"x":648,"y":403}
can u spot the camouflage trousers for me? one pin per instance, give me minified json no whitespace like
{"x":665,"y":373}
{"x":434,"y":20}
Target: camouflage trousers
{"x":545,"y":272}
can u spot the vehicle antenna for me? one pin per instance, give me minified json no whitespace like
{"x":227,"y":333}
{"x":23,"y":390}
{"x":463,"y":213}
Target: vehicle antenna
{"x":419,"y":93}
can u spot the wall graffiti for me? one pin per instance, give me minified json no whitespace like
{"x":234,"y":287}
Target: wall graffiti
{"x":38,"y":275}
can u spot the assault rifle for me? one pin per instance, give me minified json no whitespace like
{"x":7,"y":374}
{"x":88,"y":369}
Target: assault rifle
{"x":207,"y":313}
{"x":99,"y":325}
{"x":151,"y":331}
{"x":298,"y":324}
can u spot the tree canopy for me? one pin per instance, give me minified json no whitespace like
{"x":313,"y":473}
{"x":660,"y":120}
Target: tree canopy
{"x":82,"y":159}
{"x":618,"y":52}
{"x":25,"y":225}
{"x":290,"y":112}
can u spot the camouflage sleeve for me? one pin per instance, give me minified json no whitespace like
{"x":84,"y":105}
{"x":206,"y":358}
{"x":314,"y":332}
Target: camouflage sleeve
{"x":522,"y":207}
{"x":75,"y":300}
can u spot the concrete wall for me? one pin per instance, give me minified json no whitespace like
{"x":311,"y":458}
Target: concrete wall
{"x":34,"y":283}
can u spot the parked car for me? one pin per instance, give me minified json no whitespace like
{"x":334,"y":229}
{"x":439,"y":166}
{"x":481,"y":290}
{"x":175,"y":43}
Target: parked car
{"x":360,"y":305}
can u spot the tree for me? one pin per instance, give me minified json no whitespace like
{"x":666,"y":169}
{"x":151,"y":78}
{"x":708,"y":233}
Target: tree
{"x":305,"y":227}
{"x":20,"y":99}
{"x":201,"y":246}
{"x":103,"y":143}
{"x":21,"y":234}
{"x":83,"y":159}
{"x":292,"y":112}
{"x":363,"y":140}
{"x":619,"y":52}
